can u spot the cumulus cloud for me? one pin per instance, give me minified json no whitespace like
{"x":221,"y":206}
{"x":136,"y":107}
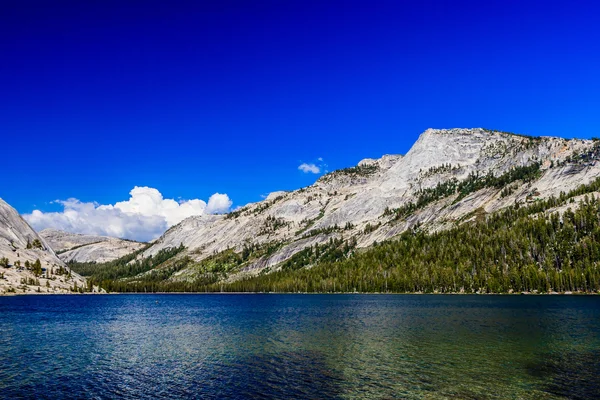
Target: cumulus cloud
{"x":218,"y":203}
{"x":145,"y":216}
{"x":312,"y":168}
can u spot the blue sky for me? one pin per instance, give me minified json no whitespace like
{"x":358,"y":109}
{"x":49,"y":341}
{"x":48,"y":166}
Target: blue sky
{"x":194,"y":98}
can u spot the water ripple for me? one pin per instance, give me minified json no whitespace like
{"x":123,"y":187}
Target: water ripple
{"x":299,"y":346}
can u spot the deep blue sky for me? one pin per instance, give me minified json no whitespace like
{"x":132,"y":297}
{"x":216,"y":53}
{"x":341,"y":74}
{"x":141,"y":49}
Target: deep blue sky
{"x":199,"y":97}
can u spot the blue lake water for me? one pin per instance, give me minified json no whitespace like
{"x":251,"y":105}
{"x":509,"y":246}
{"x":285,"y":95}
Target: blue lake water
{"x":300,"y":346}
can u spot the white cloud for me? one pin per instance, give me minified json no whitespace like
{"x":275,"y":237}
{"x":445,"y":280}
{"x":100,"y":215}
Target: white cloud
{"x":315,"y":167}
{"x":312,"y":168}
{"x":218,"y":203}
{"x":145,"y":216}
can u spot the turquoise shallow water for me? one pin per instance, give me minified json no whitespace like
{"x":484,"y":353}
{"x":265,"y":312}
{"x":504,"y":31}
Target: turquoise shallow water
{"x":300,"y":346}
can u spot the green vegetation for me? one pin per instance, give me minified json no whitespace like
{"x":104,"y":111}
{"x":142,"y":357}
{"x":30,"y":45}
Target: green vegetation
{"x":159,"y":272}
{"x":371,"y":228}
{"x":30,"y":281}
{"x":440,"y":169}
{"x":272,"y":224}
{"x":322,"y":231}
{"x":258,"y":208}
{"x":236,"y":213}
{"x":209,"y":274}
{"x":587,"y":157}
{"x":90,"y":268}
{"x":120,"y":272}
{"x":532,"y":138}
{"x":353,"y":172}
{"x":473,"y":183}
{"x":310,"y":222}
{"x":523,"y":248}
{"x":61,"y":271}
{"x":519,"y":249}
{"x":253,"y":251}
{"x":326,"y":231}
{"x":36,"y":244}
{"x":149,"y":281}
{"x":36,"y":268}
{"x":336,"y":249}
{"x":165,"y":277}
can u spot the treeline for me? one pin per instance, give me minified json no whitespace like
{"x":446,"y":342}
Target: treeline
{"x":89,"y":268}
{"x":519,"y":249}
{"x":198,"y":274}
{"x":124,"y":267}
{"x":334,"y":250}
{"x":155,"y":273}
{"x":210,"y":273}
{"x":511,"y":251}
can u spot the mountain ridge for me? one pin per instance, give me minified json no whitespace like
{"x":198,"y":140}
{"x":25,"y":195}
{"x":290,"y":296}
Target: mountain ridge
{"x":446,"y":176}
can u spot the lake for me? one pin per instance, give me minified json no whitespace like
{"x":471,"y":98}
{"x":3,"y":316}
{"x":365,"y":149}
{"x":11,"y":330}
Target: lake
{"x":300,"y":346}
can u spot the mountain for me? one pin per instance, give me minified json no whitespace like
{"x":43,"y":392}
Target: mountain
{"x":88,"y":248}
{"x":20,"y":245}
{"x":448,"y":178}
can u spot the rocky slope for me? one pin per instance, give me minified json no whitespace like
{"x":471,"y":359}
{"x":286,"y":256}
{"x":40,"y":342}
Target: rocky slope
{"x":88,"y":248}
{"x":21,"y":245}
{"x":380,"y":198}
{"x":448,"y":177}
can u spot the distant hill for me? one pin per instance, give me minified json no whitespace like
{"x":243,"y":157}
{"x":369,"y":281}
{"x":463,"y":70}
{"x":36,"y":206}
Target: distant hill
{"x":88,"y":248}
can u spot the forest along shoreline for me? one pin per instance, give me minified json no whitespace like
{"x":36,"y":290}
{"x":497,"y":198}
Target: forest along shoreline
{"x":460,"y":260}
{"x":305,"y":293}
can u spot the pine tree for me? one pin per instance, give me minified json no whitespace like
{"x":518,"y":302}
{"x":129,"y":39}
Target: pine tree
{"x":37,"y":267}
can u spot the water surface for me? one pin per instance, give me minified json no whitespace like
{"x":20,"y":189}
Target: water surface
{"x":300,"y":346}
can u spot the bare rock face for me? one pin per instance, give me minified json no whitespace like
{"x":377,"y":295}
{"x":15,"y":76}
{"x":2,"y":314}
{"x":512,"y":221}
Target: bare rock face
{"x":358,"y":202}
{"x":20,"y":244}
{"x":88,"y":248}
